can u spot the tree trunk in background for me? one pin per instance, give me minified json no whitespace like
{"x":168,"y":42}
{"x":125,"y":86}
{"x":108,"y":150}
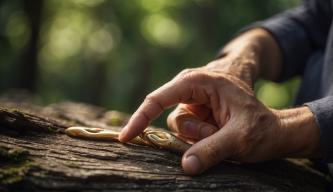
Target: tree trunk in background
{"x":143,"y":69}
{"x":97,"y":82}
{"x":29,"y":68}
{"x":36,"y":155}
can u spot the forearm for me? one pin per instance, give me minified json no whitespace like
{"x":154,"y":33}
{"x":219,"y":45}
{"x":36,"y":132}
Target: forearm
{"x":300,"y":133}
{"x":258,"y":54}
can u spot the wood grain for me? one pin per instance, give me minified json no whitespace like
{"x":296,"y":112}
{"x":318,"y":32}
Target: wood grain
{"x":36,"y":155}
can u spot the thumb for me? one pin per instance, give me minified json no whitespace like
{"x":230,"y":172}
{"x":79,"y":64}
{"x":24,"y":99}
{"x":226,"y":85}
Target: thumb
{"x":209,"y":151}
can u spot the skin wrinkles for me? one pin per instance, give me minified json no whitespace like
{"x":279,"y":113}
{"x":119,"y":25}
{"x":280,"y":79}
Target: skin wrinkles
{"x":218,"y":112}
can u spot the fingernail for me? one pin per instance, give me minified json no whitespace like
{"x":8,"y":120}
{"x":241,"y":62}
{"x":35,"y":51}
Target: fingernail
{"x":188,"y":127}
{"x":206,"y":132}
{"x":192,"y":165}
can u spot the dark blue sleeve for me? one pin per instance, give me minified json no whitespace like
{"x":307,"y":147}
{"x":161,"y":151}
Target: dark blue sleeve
{"x":323,"y":112}
{"x":299,"y":32}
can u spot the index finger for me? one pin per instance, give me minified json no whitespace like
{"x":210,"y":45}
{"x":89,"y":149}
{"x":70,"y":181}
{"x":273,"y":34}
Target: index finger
{"x":155,"y":103}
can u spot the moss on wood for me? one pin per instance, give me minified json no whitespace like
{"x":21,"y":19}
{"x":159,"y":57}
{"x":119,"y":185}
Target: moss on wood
{"x":14,"y":165}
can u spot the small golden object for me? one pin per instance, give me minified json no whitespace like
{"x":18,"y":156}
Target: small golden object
{"x":150,"y":137}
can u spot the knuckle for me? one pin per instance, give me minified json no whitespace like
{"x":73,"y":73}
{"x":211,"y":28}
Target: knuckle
{"x":151,"y":106}
{"x":151,"y":98}
{"x":187,"y":71}
{"x":193,"y":74}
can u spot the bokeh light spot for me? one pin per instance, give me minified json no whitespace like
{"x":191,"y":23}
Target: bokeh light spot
{"x":162,"y":30}
{"x":101,"y":41}
{"x":65,"y":42}
{"x":17,"y":30}
{"x":273,"y":95}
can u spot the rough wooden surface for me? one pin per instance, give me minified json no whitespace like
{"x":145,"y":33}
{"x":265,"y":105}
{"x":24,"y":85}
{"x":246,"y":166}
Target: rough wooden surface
{"x":35,"y":155}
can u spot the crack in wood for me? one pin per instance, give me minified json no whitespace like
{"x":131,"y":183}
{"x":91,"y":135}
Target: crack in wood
{"x":67,"y":164}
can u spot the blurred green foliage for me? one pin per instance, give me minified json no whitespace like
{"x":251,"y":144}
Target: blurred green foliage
{"x":112,"y":53}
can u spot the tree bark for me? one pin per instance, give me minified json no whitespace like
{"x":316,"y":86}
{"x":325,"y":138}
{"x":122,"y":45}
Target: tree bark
{"x":29,"y":67}
{"x":36,"y":155}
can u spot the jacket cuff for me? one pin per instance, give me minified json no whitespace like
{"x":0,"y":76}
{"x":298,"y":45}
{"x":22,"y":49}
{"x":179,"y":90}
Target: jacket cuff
{"x":323,"y":112}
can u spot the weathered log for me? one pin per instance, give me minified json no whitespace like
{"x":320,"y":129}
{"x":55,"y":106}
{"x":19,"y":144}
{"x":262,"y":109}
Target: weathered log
{"x":35,"y":155}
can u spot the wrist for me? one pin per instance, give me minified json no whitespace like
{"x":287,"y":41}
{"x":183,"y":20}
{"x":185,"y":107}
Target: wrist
{"x":301,"y":134}
{"x":260,"y":52}
{"x":248,"y":44}
{"x":243,"y":56}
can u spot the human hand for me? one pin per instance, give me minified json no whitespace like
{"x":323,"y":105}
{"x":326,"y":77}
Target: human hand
{"x":239,"y":126}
